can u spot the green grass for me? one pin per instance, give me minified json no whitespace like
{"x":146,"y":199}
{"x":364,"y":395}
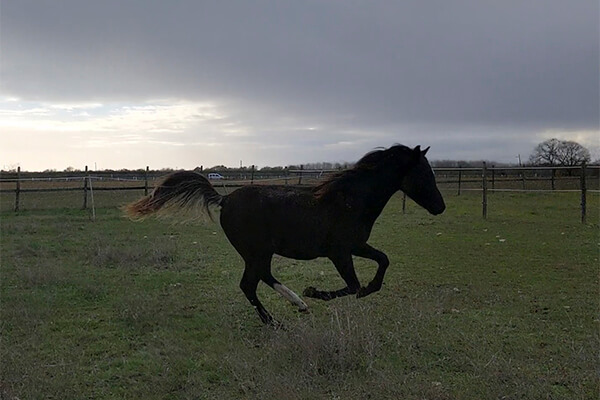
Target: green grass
{"x":470,"y":309}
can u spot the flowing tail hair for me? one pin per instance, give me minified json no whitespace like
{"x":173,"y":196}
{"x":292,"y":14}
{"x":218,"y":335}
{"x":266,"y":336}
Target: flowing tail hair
{"x":184,"y":192}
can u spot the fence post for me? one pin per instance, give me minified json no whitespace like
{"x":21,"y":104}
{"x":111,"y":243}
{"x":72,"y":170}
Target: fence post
{"x":18,"y":190}
{"x":459,"y":178}
{"x":523,"y":178}
{"x":552,"y":179}
{"x":85,"y":188}
{"x":300,"y":176}
{"x":583,"y":193}
{"x":484,"y":191}
{"x":287,"y":175}
{"x":146,"y":181}
{"x":493,"y":177}
{"x":252,"y":176}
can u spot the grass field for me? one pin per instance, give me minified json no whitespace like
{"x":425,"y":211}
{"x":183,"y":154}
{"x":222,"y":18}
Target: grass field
{"x":504,"y":308}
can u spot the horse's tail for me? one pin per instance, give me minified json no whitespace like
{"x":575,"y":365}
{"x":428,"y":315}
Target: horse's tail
{"x":181,"y":192}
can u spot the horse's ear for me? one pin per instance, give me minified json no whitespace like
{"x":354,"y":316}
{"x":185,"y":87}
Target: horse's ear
{"x":416,"y":154}
{"x":426,"y":150}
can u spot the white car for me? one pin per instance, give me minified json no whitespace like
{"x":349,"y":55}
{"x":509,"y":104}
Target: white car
{"x":214,"y":175}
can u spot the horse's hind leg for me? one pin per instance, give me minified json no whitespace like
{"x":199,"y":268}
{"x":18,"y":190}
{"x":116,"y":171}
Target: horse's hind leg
{"x":366,"y":251}
{"x":284,"y":291}
{"x":345,"y":267}
{"x":248,"y":284}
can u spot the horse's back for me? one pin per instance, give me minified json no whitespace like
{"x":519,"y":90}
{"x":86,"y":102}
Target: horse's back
{"x":275,"y":219}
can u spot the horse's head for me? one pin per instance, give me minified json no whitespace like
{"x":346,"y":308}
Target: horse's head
{"x":396,"y":168}
{"x":418,"y":182}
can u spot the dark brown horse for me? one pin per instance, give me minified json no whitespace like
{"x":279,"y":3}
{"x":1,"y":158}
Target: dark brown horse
{"x":333,"y":219}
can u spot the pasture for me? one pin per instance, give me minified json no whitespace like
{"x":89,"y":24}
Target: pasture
{"x":470,"y":309}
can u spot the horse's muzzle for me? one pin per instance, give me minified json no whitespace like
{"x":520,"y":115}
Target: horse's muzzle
{"x":438,"y":208}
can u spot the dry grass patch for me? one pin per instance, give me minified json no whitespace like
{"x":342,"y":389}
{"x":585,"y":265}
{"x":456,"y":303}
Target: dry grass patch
{"x":158,"y":255}
{"x":41,"y":273}
{"x":329,"y":359}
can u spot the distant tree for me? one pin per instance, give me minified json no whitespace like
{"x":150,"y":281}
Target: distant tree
{"x":448,"y":163}
{"x":271,"y":169}
{"x":327,"y":165}
{"x":217,"y":168}
{"x":545,"y":153}
{"x":466,"y":164}
{"x":572,"y":153}
{"x":559,"y":152}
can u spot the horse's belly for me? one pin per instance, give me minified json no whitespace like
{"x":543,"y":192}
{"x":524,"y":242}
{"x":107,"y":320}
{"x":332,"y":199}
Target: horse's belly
{"x":299,"y":254}
{"x":300,"y":245}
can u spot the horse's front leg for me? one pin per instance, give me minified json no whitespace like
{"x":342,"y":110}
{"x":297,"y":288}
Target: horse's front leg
{"x":345,"y":267}
{"x":366,"y":251}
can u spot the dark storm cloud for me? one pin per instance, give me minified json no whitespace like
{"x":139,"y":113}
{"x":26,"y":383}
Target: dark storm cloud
{"x":375,"y":65}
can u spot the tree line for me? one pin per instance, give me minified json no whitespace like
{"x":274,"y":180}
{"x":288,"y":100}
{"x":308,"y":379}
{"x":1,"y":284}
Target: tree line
{"x":552,"y":152}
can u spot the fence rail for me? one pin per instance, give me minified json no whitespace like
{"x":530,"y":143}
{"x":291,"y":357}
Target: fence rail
{"x":583,"y":179}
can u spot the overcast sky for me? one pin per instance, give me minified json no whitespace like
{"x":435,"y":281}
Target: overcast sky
{"x":125,"y":84}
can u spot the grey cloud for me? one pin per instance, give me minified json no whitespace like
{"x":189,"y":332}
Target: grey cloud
{"x":528,"y":65}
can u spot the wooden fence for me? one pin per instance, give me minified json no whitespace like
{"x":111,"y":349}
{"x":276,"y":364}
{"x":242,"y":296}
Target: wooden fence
{"x":485,"y":179}
{"x":489,"y":177}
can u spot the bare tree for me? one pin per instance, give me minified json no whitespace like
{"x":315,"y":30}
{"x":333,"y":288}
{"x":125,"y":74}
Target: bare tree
{"x":559,"y":152}
{"x":545,"y":153}
{"x":572,"y":153}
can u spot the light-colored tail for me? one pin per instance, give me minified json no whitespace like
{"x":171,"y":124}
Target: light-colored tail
{"x":178,"y":193}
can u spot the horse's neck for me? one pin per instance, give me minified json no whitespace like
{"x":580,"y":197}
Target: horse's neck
{"x":375,"y":195}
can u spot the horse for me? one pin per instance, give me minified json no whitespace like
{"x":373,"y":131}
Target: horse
{"x":333,"y":219}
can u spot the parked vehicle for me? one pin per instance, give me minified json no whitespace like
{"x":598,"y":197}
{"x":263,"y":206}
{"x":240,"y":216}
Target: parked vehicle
{"x":214,"y":175}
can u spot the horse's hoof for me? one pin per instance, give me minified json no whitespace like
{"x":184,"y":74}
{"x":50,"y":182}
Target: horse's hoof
{"x":277,"y":325}
{"x":362,"y":292}
{"x":310,"y":292}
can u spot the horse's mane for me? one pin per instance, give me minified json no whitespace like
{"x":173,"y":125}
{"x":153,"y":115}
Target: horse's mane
{"x":344,"y":180}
